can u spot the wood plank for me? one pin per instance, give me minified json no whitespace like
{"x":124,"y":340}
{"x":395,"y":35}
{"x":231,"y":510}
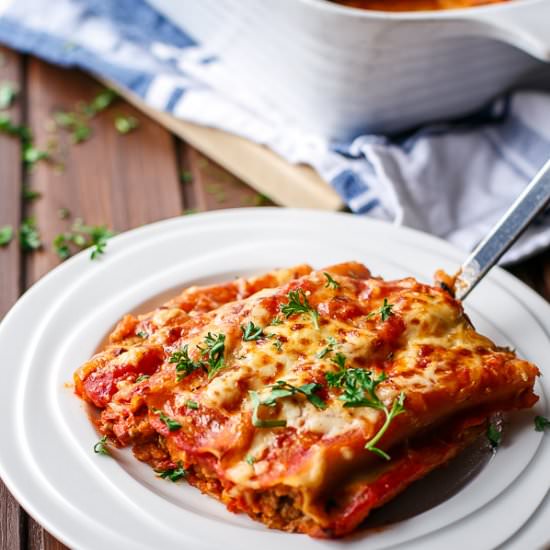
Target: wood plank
{"x":12,"y":518}
{"x":208,"y":186}
{"x":535,"y":272}
{"x":122,"y":181}
{"x":287,"y":184}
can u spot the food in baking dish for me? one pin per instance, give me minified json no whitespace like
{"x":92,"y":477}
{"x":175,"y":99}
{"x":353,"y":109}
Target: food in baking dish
{"x":415,"y":5}
{"x":302,"y":398}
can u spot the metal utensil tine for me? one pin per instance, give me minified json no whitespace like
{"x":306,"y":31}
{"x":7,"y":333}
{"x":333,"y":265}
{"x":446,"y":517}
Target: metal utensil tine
{"x":528,"y":205}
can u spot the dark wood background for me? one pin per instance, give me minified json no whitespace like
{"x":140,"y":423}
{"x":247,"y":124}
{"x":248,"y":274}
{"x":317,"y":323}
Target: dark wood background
{"x":122,"y":181}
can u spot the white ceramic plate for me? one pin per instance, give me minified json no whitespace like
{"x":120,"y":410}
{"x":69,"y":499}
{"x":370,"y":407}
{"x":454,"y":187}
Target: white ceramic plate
{"x":90,"y":501}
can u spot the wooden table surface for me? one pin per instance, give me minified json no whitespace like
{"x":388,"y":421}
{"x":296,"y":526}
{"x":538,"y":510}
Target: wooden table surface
{"x":122,"y":181}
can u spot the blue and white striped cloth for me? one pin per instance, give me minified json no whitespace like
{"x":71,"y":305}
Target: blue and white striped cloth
{"x":453,"y":181}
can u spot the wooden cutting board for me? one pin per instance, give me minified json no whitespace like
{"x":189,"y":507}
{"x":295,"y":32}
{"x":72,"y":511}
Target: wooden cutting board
{"x":286,"y":184}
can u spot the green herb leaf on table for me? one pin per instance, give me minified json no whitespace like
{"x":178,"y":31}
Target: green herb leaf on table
{"x":298,"y":303}
{"x":331,"y":283}
{"x":251,"y":332}
{"x":172,"y":425}
{"x":29,"y":194}
{"x":101,"y":447}
{"x":101,"y":101}
{"x":29,"y":235}
{"x":541,"y":423}
{"x":6,"y":235}
{"x":126,"y":124}
{"x":174,"y":474}
{"x":8,"y":92}
{"x":186,"y":176}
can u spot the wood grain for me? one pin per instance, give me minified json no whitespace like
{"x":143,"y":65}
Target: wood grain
{"x":12,"y":519}
{"x":122,"y":181}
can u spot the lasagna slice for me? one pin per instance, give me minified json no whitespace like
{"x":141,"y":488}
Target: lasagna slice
{"x":303,"y":398}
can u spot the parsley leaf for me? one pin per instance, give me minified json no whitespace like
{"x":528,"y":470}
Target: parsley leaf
{"x":192,"y":404}
{"x":100,"y":102}
{"x":186,"y":176}
{"x":214,"y":353}
{"x":125,"y":124}
{"x":184,"y":364}
{"x":171,"y":424}
{"x":142,"y":334}
{"x":29,"y":236}
{"x":385,"y":311}
{"x":330,"y":348}
{"x":298,"y":303}
{"x":275,"y":321}
{"x":359,"y":387}
{"x":283,"y":389}
{"x":258,"y":422}
{"x":82,"y":236}
{"x":142,"y":377}
{"x":250,"y":459}
{"x":251,"y":332}
{"x":541,"y":423}
{"x":29,"y":194}
{"x":331,"y":283}
{"x":174,"y":474}
{"x":6,"y":235}
{"x":494,"y":435}
{"x":101,"y":447}
{"x":8,"y":91}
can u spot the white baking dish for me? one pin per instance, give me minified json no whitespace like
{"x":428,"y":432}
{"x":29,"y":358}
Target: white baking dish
{"x":340,"y":71}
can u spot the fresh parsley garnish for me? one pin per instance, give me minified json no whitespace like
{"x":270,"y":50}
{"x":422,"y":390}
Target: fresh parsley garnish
{"x":171,"y":424}
{"x":328,"y":349}
{"x":174,"y":474}
{"x":275,"y":321}
{"x":298,"y":303}
{"x":277,"y":342}
{"x":6,"y":235}
{"x":280,"y":390}
{"x":359,"y":390}
{"x":331,"y":283}
{"x":251,"y":332}
{"x":385,"y":311}
{"x":250,"y":459}
{"x":8,"y":91}
{"x":186,"y":176}
{"x":29,"y":236}
{"x":494,"y":435}
{"x":101,"y":448}
{"x":192,"y":404}
{"x":258,"y":422}
{"x":541,"y":423}
{"x":125,"y":124}
{"x":142,"y":334}
{"x":100,"y":102}
{"x":29,"y":153}
{"x":184,"y":364}
{"x":142,"y":377}
{"x":214,"y":352}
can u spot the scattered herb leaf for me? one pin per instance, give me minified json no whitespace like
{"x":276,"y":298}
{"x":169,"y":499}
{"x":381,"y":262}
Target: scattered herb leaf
{"x":184,"y":364}
{"x":328,"y":349}
{"x":298,"y":303}
{"x":126,"y":124}
{"x":494,"y":435}
{"x":186,"y":176}
{"x":251,"y":332}
{"x":29,"y":236}
{"x":214,"y":353}
{"x":192,"y":404}
{"x":331,"y":283}
{"x":174,"y":474}
{"x":8,"y":92}
{"x":250,"y":460}
{"x":142,"y":377}
{"x":258,"y":422}
{"x":6,"y":235}
{"x":142,"y":334}
{"x":30,"y":194}
{"x":171,"y":424}
{"x":275,"y":321}
{"x":101,"y":447}
{"x":189,"y":211}
{"x":541,"y":423}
